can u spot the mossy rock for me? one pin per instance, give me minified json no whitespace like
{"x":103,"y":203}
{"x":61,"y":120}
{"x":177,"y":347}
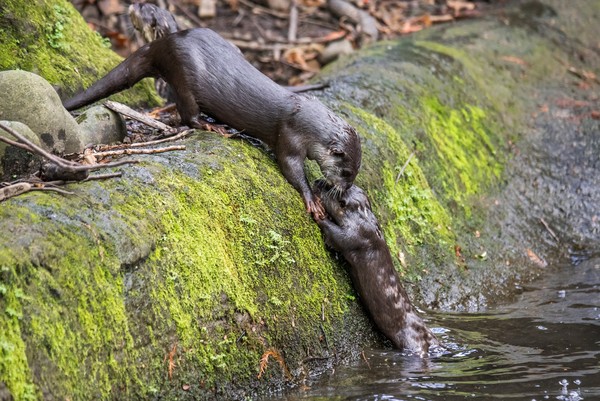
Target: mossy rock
{"x":51,"y":39}
{"x":177,"y":279}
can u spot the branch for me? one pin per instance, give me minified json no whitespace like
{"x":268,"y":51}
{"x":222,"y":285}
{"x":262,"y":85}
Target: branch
{"x":129,"y":112}
{"x":138,"y":151}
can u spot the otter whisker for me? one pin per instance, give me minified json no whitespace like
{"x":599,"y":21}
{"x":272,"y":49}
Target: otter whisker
{"x":330,"y":193}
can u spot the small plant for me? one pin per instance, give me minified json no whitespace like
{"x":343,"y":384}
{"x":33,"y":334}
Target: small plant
{"x":54,"y":32}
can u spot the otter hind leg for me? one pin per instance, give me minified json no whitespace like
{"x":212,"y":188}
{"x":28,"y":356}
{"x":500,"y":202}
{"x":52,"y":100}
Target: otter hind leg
{"x":188,"y":108}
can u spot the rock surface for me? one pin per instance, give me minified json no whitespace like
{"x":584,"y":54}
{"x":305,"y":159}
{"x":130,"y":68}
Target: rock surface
{"x":15,"y":162}
{"x":30,"y":99}
{"x":100,"y":125}
{"x":175,"y":280}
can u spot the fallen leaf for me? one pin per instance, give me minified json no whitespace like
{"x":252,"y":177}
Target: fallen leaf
{"x":515,"y":60}
{"x":568,"y":103}
{"x":536,"y":259}
{"x":332,"y":36}
{"x":583,"y":74}
{"x":171,"y":357}
{"x":264,"y":360}
{"x":458,"y":6}
{"x":441,"y":18}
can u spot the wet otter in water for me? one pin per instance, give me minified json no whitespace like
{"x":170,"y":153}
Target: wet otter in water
{"x":353,"y":231}
{"x":209,"y":74}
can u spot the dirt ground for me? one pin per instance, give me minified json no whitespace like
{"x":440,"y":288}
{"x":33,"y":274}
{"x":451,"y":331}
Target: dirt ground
{"x":288,"y":40}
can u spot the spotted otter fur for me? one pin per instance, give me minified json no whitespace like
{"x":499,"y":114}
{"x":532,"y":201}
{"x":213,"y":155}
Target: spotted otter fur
{"x":354,"y":231}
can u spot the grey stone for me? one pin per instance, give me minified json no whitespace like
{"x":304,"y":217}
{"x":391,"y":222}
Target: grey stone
{"x":30,"y":99}
{"x":100,"y":125}
{"x":15,"y":162}
{"x":335,"y":50}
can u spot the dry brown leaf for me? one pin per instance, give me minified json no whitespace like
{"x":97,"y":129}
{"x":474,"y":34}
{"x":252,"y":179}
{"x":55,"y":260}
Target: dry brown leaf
{"x":441,"y":18}
{"x":333,"y":36}
{"x":264,"y":360}
{"x":171,"y":358}
{"x":515,"y":60}
{"x":458,"y":6}
{"x":300,"y":57}
{"x":411,"y":25}
{"x":536,"y":259}
{"x":570,"y":103}
{"x":110,"y":7}
{"x":312,"y":3}
{"x":583,"y":74}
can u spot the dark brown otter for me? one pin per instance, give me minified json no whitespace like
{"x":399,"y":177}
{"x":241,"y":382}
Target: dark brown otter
{"x":353,"y":231}
{"x":209,"y":74}
{"x":152,"y":22}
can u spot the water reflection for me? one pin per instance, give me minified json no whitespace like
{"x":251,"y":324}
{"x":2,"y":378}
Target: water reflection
{"x":545,"y":346}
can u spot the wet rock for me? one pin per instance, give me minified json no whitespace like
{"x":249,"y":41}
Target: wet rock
{"x":335,"y":50}
{"x":30,"y":99}
{"x":16,"y":162}
{"x":100,"y":125}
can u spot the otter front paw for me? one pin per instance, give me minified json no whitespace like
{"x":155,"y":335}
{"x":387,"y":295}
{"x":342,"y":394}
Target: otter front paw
{"x":315,"y":207}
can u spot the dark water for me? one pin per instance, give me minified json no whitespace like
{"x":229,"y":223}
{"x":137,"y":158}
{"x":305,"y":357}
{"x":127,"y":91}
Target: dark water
{"x":544,"y":346}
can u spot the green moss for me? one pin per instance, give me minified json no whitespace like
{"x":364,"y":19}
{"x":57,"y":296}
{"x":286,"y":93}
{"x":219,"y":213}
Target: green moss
{"x":74,"y":320}
{"x":233,"y":265}
{"x":467,"y":160}
{"x":52,"y":40}
{"x":264,"y":274}
{"x":410,"y":214}
{"x":14,"y":369}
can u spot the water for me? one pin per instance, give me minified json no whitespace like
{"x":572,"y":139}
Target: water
{"x":544,"y":346}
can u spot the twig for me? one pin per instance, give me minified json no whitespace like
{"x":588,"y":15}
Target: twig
{"x":549,"y":229}
{"x":264,"y":10}
{"x":138,"y":151}
{"x":20,"y":188}
{"x":149,"y":143}
{"x":367,"y":25}
{"x":265,"y":35}
{"x":191,"y":16}
{"x":129,"y":112}
{"x":52,"y":189}
{"x":36,"y":149}
{"x":362,"y":353}
{"x":59,"y":167}
{"x":404,"y":167}
{"x":14,"y":190}
{"x":243,"y":44}
{"x":103,"y":176}
{"x":14,"y":143}
{"x":293,"y":28}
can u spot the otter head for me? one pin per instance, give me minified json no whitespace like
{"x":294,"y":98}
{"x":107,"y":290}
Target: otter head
{"x":330,"y":141}
{"x":339,"y":158}
{"x":351,"y":206}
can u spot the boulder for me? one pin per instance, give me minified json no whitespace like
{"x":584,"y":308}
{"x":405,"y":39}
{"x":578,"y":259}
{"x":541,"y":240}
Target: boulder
{"x":30,"y":99}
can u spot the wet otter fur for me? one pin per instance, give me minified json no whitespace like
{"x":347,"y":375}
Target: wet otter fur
{"x":209,"y":74}
{"x":353,"y":230}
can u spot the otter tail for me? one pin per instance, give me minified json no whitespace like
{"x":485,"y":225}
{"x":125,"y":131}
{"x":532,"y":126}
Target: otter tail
{"x":124,"y":76}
